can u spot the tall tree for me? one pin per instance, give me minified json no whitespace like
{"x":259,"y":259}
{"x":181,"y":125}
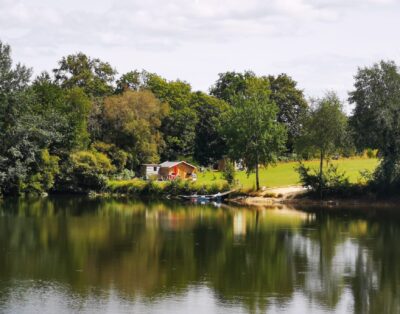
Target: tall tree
{"x":132,"y":121}
{"x":292,"y":105}
{"x":79,"y":70}
{"x":13,"y":83}
{"x":129,"y":81}
{"x":376,"y":116}
{"x":210,"y":145}
{"x":325,"y":130}
{"x":179,"y":126}
{"x":24,"y":161}
{"x":251,"y":128}
{"x":65,"y":110}
{"x":230,"y":84}
{"x":284,"y":93}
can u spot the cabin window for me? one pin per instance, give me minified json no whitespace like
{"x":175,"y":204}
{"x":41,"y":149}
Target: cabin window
{"x":154,"y":168}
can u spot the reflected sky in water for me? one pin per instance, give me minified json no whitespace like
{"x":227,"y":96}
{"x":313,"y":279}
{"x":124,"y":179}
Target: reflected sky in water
{"x":70,"y":254}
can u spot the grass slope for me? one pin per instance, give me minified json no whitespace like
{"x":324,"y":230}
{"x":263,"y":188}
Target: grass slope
{"x":284,"y":174}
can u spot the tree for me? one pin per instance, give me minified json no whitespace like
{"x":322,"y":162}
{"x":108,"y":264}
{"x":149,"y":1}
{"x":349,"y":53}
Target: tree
{"x":24,"y":163}
{"x":209,"y":144}
{"x":84,"y":171}
{"x":13,"y":83}
{"x":291,"y":103}
{"x":66,"y":111}
{"x":376,"y":117}
{"x":325,"y":130}
{"x":179,"y":126}
{"x":284,"y":93}
{"x":93,"y":75}
{"x":80,"y":106}
{"x":251,"y":128}
{"x":230,"y":84}
{"x":129,"y":81}
{"x":132,"y":121}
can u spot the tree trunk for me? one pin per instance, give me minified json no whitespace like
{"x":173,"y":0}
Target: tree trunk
{"x":321,"y":160}
{"x":257,"y":177}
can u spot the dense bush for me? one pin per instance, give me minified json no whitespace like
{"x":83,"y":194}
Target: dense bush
{"x":43,"y":180}
{"x":386,"y":178}
{"x":229,"y":172}
{"x":332,"y":181}
{"x":125,"y":174}
{"x":85,"y":171}
{"x":117,"y":156}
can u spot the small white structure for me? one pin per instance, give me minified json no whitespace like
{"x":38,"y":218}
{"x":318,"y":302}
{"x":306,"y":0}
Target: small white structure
{"x":149,"y":170}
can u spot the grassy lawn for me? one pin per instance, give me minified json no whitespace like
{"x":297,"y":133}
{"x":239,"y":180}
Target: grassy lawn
{"x":284,"y":174}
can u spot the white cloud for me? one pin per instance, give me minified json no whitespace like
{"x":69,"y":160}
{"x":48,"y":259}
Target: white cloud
{"x":196,"y":39}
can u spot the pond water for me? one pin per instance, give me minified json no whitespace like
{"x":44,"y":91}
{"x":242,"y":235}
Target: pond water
{"x":74,"y":255}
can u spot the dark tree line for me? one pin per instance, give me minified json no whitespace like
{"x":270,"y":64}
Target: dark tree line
{"x":71,"y":129}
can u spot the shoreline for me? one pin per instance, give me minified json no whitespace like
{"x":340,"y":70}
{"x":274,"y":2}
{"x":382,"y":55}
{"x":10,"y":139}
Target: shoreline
{"x":295,"y":196}
{"x":308,"y":202}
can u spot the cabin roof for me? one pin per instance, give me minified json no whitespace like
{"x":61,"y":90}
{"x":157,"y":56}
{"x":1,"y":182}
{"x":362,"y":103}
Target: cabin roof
{"x":170,"y":164}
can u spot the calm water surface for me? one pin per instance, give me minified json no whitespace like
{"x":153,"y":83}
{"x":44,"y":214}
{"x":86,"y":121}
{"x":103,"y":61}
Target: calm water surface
{"x":74,"y":255}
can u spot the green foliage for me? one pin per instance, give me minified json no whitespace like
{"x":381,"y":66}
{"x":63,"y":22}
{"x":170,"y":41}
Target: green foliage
{"x":72,"y":131}
{"x":209,"y":144}
{"x":151,"y":189}
{"x":80,"y":105}
{"x":13,"y":84}
{"x":171,"y":188}
{"x":283,"y":92}
{"x":179,"y":133}
{"x":128,"y":81}
{"x":229,"y":172}
{"x":324,"y":131}
{"x":25,"y":164}
{"x":132,"y":187}
{"x":94,"y":76}
{"x":85,"y":171}
{"x":371,"y":153}
{"x":117,"y":156}
{"x":331,"y":181}
{"x":131,"y":121}
{"x":125,"y":174}
{"x":231,"y":84}
{"x":91,"y":161}
{"x":386,"y":178}
{"x":251,"y":128}
{"x":66,"y":112}
{"x":44,"y":178}
{"x":376,"y":117}
{"x":179,"y":125}
{"x":325,"y":128}
{"x":292,"y":106}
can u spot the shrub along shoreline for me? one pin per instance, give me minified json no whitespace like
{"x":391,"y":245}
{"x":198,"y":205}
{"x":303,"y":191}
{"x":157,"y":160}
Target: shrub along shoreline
{"x":138,"y":187}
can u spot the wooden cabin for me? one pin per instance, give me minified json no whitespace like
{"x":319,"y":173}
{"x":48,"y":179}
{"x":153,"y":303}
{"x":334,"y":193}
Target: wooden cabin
{"x":171,"y":170}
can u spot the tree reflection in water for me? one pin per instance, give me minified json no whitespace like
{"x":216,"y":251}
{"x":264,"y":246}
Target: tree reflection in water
{"x":245,"y":259}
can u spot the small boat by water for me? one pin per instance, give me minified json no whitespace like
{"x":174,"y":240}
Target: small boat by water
{"x":204,"y":199}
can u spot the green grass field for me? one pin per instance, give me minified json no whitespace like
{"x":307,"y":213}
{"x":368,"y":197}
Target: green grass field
{"x":284,"y":174}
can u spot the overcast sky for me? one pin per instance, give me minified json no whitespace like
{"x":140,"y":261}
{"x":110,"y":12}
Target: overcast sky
{"x":320,"y":43}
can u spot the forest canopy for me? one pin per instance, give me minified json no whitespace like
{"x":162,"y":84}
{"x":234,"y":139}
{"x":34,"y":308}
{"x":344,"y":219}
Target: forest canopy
{"x":71,"y":129}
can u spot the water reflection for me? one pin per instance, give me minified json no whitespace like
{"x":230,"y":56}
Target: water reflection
{"x":69,"y":254}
